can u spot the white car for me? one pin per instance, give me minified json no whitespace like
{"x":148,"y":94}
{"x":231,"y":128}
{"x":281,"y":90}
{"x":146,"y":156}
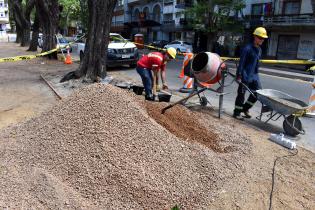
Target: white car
{"x":61,"y":43}
{"x":180,"y":46}
{"x":120,"y":51}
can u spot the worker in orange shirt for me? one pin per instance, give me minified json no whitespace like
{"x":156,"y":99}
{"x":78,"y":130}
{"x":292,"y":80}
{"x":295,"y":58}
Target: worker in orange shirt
{"x":152,"y":63}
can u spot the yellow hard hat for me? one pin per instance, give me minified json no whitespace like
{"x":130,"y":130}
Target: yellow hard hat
{"x":172,"y":52}
{"x":261,"y":32}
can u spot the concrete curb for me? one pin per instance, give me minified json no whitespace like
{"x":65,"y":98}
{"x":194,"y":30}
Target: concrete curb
{"x":279,"y":73}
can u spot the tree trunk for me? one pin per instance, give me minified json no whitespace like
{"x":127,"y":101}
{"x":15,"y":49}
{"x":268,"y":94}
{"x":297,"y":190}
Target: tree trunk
{"x":48,"y":13}
{"x":34,"y":41}
{"x":22,"y":20}
{"x":95,"y":52}
{"x":211,"y":39}
{"x":19,"y":33}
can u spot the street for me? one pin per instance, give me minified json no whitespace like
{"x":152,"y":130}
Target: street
{"x":297,"y":88}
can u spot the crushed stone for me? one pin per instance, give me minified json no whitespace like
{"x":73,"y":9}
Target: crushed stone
{"x":100,"y":149}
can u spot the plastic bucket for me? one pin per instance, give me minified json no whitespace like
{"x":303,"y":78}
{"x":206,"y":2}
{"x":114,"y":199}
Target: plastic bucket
{"x":206,"y":67}
{"x":164,"y":97}
{"x":138,"y":89}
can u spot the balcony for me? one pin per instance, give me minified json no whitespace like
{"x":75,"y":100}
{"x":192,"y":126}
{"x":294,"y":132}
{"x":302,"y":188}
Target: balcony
{"x":290,"y":20}
{"x":134,"y":2}
{"x":147,"y":21}
{"x":168,"y":25}
{"x":183,"y":4}
{"x":117,"y":26}
{"x":4,"y":5}
{"x":168,"y":9}
{"x":4,"y":19}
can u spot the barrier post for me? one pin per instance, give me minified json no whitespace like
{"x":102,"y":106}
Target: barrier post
{"x":311,"y":109}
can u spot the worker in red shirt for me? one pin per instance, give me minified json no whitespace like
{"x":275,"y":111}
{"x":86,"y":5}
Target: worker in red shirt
{"x":152,"y":63}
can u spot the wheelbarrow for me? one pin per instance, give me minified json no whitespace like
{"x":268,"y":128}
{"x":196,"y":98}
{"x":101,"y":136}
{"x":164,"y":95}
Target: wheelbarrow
{"x":279,"y":104}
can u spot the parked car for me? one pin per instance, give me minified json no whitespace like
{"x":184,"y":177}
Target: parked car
{"x":61,"y":42}
{"x":79,"y":38}
{"x":180,"y":46}
{"x":119,"y":52}
{"x":159,"y":43}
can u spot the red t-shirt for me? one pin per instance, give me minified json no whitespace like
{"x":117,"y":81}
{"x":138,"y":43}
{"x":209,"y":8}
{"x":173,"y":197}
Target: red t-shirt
{"x":153,"y":58}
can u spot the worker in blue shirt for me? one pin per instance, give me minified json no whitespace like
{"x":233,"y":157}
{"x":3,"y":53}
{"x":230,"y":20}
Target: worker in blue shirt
{"x":247,"y":72}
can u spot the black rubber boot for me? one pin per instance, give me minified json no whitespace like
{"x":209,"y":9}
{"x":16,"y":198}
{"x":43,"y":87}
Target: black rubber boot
{"x":238,"y":116}
{"x":150,"y":97}
{"x":247,"y":115}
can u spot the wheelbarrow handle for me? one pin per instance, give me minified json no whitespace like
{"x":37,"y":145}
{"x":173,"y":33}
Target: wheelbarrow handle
{"x":239,"y":82}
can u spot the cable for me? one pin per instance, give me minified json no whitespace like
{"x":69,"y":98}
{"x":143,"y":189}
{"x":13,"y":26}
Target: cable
{"x":273,"y":175}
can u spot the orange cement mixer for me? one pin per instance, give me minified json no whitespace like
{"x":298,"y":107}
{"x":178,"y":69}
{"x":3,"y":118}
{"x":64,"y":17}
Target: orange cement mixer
{"x":207,"y":67}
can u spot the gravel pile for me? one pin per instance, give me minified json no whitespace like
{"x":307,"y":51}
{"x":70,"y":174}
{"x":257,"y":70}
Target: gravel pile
{"x":99,"y":149}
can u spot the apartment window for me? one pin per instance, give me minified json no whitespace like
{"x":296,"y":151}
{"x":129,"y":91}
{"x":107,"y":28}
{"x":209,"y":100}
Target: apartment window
{"x":257,"y":9}
{"x":1,"y":4}
{"x":291,"y":7}
{"x":168,"y":2}
{"x":120,"y":2}
{"x":179,"y":15}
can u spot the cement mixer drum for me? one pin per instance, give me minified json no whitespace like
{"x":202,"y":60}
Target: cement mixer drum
{"x":206,"y":67}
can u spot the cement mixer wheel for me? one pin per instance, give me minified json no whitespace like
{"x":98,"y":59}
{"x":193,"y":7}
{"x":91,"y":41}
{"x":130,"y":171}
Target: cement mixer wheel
{"x":203,"y":101}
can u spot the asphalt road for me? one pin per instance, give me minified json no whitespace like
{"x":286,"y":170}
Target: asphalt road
{"x":297,"y":88}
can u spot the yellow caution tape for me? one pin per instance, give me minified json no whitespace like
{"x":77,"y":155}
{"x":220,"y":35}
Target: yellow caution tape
{"x":29,"y":57}
{"x":296,"y":62}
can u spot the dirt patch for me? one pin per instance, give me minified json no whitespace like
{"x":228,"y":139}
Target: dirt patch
{"x":185,"y":125}
{"x":23,"y":92}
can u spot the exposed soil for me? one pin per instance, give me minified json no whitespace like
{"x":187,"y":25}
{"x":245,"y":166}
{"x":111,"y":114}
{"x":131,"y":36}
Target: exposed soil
{"x":23,"y":92}
{"x":185,"y":125}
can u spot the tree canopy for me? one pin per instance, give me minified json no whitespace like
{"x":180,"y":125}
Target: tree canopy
{"x":213,"y":16}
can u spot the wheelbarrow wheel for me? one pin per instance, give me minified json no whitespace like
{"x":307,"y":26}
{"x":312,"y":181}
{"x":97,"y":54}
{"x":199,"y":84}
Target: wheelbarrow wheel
{"x":292,"y":126}
{"x":203,"y":101}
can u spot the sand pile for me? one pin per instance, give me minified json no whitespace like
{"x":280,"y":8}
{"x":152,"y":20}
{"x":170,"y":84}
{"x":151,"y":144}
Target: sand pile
{"x":99,"y":149}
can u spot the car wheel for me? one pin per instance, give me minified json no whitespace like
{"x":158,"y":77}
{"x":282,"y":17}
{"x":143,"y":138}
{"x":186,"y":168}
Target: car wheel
{"x":81,"y":56}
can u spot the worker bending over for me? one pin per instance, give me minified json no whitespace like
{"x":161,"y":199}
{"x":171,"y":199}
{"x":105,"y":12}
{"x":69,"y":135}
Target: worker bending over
{"x":151,"y":64}
{"x":247,"y":72}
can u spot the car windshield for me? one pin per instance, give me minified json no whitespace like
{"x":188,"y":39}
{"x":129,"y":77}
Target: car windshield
{"x":62,"y":40}
{"x":116,"y":38}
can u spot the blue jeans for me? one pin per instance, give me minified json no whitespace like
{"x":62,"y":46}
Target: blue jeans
{"x":147,"y":79}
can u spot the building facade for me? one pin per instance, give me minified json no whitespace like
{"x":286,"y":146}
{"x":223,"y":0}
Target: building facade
{"x":156,"y":19}
{"x":290,"y":25}
{"x":4,"y":16}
